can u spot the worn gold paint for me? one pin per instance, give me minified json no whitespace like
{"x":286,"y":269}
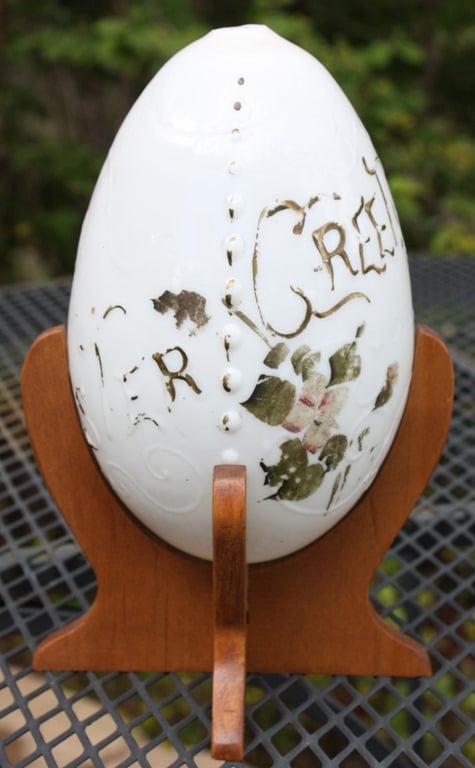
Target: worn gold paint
{"x":374,"y":172}
{"x":111,"y":308}
{"x":178,"y":375}
{"x":184,"y":305}
{"x":98,"y":356}
{"x":318,"y":236}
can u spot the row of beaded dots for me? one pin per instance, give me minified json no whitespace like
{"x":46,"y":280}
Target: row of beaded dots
{"x":234,"y":250}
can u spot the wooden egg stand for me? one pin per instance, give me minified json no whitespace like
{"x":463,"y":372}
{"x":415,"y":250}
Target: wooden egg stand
{"x":156,"y":607}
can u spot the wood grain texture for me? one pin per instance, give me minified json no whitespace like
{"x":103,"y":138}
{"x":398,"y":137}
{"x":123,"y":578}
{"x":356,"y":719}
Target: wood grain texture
{"x":154,"y":607}
{"x":230,"y":609}
{"x":309,"y":612}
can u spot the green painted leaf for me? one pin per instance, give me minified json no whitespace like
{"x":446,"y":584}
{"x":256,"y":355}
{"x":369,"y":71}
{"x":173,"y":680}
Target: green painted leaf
{"x":383,"y":396}
{"x":304,"y":360}
{"x":298,"y":357}
{"x":335,"y":489}
{"x":297,"y":478}
{"x":386,"y":391}
{"x":361,"y":438}
{"x":345,"y":364}
{"x":333,"y":451}
{"x":271,"y":400}
{"x":293,"y":459}
{"x":345,"y":475}
{"x":276,"y":355}
{"x":302,"y":484}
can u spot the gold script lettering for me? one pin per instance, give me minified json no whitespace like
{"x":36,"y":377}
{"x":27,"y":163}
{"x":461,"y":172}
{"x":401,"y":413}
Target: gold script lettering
{"x":175,"y":375}
{"x":318,"y":237}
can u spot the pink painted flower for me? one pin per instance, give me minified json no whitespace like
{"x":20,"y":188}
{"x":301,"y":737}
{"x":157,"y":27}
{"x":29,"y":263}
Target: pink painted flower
{"x":315,"y":412}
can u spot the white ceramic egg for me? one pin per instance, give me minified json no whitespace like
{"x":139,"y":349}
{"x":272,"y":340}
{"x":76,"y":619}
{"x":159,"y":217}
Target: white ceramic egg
{"x":241,"y":296}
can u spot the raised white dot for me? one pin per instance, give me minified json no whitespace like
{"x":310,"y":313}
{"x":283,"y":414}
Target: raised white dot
{"x":233,"y":167}
{"x":230,"y":421}
{"x":233,"y":333}
{"x":230,"y":456}
{"x":233,"y":293}
{"x":231,"y":379}
{"x":234,"y":206}
{"x":232,"y":336}
{"x":234,"y":247}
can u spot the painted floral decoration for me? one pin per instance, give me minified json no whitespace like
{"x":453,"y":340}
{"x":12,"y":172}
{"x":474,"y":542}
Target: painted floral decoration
{"x":312,"y":415}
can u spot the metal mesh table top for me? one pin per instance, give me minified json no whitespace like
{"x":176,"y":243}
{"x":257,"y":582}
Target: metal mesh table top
{"x":426,"y":585}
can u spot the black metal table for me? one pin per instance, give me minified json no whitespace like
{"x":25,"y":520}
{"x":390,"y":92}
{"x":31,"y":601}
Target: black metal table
{"x":426,"y":585}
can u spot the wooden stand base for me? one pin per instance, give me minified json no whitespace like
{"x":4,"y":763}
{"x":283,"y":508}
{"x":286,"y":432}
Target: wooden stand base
{"x":155,"y":609}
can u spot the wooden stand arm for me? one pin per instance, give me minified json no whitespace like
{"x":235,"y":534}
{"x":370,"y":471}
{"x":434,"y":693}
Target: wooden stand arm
{"x":230,"y":610}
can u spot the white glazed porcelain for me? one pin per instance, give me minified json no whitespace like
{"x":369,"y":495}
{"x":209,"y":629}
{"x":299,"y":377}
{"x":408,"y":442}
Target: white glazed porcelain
{"x":241,"y":295}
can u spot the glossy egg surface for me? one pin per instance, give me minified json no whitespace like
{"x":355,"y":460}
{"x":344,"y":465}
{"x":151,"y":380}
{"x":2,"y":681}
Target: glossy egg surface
{"x":241,"y":296}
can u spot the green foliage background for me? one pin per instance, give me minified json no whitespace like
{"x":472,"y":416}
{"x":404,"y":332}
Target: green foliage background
{"x":71,"y":69}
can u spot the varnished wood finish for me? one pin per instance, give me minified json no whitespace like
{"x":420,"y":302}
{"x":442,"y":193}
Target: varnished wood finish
{"x":308,"y":612}
{"x":230,"y":605}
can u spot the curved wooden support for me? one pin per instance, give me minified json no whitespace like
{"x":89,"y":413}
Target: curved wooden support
{"x":155,"y":610}
{"x":154,"y":605}
{"x":230,"y":609}
{"x":343,"y":634}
